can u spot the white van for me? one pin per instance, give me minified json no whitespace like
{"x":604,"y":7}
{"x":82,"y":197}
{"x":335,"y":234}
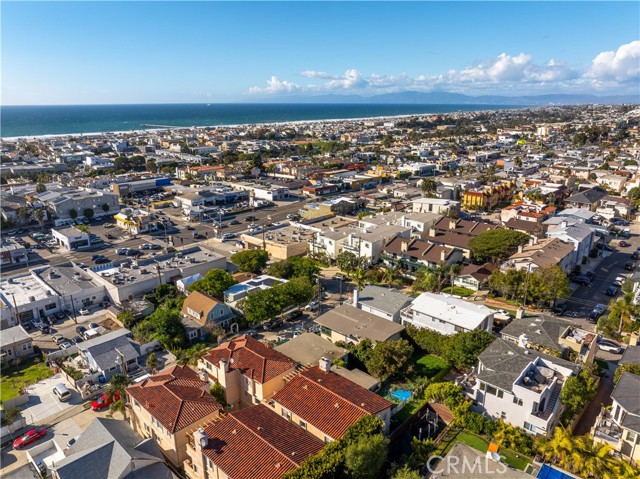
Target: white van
{"x":62,"y":392}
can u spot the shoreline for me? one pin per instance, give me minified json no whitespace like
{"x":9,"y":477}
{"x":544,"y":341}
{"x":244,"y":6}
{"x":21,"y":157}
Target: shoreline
{"x":492,"y":109}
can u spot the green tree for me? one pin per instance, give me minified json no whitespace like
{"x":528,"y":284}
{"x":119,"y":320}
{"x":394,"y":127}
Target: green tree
{"x":464,"y":348}
{"x":497,"y":244}
{"x":426,"y":280}
{"x":127,"y":319}
{"x":389,"y":358}
{"x":281,"y":269}
{"x":41,"y":188}
{"x":405,"y":472}
{"x":214,"y":283}
{"x":217,"y":391}
{"x":347,"y":261}
{"x":428,"y":187}
{"x":73,"y":213}
{"x":628,"y":367}
{"x":152,"y":362}
{"x":88,"y":213}
{"x":364,"y":459}
{"x":576,"y":393}
{"x":39,"y":215}
{"x":251,"y":260}
{"x":445,"y":393}
{"x":117,"y":385}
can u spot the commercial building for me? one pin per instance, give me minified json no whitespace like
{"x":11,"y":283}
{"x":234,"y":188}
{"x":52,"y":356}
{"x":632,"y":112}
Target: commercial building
{"x":71,"y":238}
{"x":281,"y":243}
{"x":72,"y":203}
{"x":13,"y":253}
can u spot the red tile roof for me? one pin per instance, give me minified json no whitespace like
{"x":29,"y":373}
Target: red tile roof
{"x":258,"y":443}
{"x":328,"y":401}
{"x":176,"y":397}
{"x":251,"y":358}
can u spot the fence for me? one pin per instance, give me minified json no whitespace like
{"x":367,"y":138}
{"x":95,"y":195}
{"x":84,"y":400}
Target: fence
{"x":15,"y":402}
{"x":62,"y":353}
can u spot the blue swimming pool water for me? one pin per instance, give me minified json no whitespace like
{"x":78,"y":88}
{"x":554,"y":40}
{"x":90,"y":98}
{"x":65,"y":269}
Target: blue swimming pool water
{"x":401,"y":395}
{"x":548,"y":472}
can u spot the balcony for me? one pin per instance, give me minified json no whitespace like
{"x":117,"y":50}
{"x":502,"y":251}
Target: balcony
{"x":607,"y":430}
{"x":190,"y":471}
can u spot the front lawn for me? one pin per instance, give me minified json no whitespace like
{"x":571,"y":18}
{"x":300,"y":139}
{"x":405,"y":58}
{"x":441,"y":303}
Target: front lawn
{"x":15,"y":378}
{"x":509,"y":457}
{"x":458,"y":291}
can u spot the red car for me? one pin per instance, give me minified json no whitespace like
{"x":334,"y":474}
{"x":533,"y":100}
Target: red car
{"x":30,"y":436}
{"x":104,"y":401}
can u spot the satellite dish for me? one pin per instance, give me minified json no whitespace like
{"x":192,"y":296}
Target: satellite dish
{"x":231,"y":361}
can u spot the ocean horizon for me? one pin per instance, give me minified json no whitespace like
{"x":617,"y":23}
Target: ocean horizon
{"x":31,"y":121}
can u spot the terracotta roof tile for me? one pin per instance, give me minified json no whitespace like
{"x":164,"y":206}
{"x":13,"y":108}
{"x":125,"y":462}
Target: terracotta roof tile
{"x":258,"y":443}
{"x":251,"y":358}
{"x":176,"y":397}
{"x":328,"y":401}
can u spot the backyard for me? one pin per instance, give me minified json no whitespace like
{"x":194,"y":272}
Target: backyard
{"x":28,"y":372}
{"x":509,"y":457}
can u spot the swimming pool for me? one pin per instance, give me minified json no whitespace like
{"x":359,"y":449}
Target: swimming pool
{"x":401,"y":395}
{"x":548,"y":472}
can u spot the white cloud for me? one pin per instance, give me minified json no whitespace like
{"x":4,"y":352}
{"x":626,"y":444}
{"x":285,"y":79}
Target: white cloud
{"x":623,"y":65}
{"x":275,"y":85}
{"x":505,"y":73}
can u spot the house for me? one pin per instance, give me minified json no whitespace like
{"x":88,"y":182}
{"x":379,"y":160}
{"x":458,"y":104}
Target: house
{"x":200,"y":310}
{"x":446,"y":314}
{"x":249,"y":371}
{"x":383,"y":302}
{"x":553,"y":336}
{"x":580,"y":235}
{"x":412,"y":255}
{"x":168,"y":405}
{"x":474,"y":276}
{"x":613,"y":182}
{"x":456,"y":233}
{"x":308,"y":348}
{"x":542,"y":254}
{"x":15,"y":344}
{"x":108,"y":354}
{"x":251,"y":443}
{"x":588,"y":199}
{"x":243,"y":288}
{"x":619,"y":426}
{"x":615,"y":207}
{"x":110,"y":448}
{"x":520,"y":386}
{"x":327,"y":404}
{"x":435,"y":205}
{"x":351,"y":325}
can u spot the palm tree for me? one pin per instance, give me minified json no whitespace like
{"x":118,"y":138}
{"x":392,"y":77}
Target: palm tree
{"x":624,"y":308}
{"x":454,"y":271}
{"x":429,"y":187}
{"x":359,"y":278}
{"x":117,"y":385}
{"x":560,"y":448}
{"x":39,"y":216}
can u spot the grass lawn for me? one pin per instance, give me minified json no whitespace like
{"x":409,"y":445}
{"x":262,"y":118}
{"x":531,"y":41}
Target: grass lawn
{"x":27,"y":373}
{"x":458,"y":291}
{"x":513,"y":459}
{"x":409,"y":409}
{"x":429,"y":365}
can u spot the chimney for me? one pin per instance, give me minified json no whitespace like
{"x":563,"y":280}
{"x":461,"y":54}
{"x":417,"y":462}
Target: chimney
{"x":564,"y":224}
{"x":324,"y":364}
{"x":200,"y":438}
{"x":432,"y":232}
{"x":404,"y":246}
{"x":452,"y":224}
{"x":356,"y":297}
{"x":224,"y":365}
{"x":443,"y":255}
{"x":520,"y":249}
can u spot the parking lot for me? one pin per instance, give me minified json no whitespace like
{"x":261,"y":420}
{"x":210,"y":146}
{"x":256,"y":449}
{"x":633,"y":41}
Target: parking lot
{"x":43,"y":403}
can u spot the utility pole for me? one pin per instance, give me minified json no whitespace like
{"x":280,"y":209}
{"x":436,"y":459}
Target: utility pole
{"x":526,"y":288}
{"x":15,"y":308}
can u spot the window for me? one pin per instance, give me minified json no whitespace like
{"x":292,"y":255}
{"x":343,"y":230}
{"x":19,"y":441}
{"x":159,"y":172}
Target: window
{"x":500,"y":393}
{"x":491,"y":390}
{"x":286,"y":414}
{"x":303,"y":424}
{"x":209,"y":462}
{"x":51,"y":306}
{"x":631,"y":437}
{"x":530,"y":427}
{"x":503,"y":415}
{"x":517,"y":400}
{"x":26,"y":347}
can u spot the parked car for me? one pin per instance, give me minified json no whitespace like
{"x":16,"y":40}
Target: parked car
{"x":80,"y":330}
{"x":84,"y":311}
{"x":611,"y":291}
{"x":594,"y":316}
{"x":104,"y":401}
{"x":629,"y":266}
{"x":312,"y":306}
{"x":560,"y":308}
{"x":610,"y":346}
{"x":619,"y":280}
{"x":635,"y":255}
{"x":581,"y":280}
{"x":291,"y":315}
{"x":101,"y":260}
{"x":227,"y":236}
{"x":274,"y":323}
{"x":58,"y":338}
{"x":623,"y":244}
{"x":76,"y":339}
{"x":251,"y":332}
{"x":590,"y":275}
{"x":93,"y":326}
{"x":234,"y":222}
{"x":145,"y":246}
{"x":30,"y":436}
{"x":65,"y":345}
{"x":121,"y":251}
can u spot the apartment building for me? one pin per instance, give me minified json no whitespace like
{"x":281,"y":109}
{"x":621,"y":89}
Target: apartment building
{"x":251,"y":443}
{"x":249,"y":371}
{"x":619,"y":426}
{"x":168,"y":405}
{"x":326,"y":404}
{"x":519,"y":385}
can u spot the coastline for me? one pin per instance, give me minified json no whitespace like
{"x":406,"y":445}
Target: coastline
{"x":492,"y":109}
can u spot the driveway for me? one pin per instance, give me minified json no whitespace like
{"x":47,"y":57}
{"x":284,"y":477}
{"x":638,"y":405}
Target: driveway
{"x":44,"y":404}
{"x":592,"y":410}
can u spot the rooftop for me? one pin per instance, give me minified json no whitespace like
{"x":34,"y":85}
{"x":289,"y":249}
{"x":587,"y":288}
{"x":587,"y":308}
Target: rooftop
{"x":66,"y":278}
{"x":452,"y":310}
{"x":355,"y":323}
{"x":383,"y":299}
{"x":24,"y":289}
{"x":14,"y":335}
{"x":308,"y":348}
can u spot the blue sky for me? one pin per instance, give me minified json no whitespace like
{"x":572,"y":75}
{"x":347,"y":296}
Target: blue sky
{"x":174,"y":52}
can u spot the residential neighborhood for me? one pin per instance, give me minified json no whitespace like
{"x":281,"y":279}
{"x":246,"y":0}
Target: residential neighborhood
{"x":323,"y":299}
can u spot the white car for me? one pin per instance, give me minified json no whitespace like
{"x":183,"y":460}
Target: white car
{"x":84,"y":311}
{"x":619,"y":280}
{"x":312,"y":306}
{"x":65,"y":345}
{"x":610,"y":346}
{"x":227,"y":236}
{"x":58,"y":338}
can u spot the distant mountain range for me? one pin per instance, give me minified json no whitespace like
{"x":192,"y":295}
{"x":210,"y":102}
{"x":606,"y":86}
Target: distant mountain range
{"x":447,"y":98}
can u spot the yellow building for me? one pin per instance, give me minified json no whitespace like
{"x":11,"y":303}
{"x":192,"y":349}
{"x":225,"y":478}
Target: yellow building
{"x":489,"y":196}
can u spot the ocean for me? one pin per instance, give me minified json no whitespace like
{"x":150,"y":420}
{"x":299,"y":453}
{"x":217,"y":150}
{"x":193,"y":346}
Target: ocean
{"x":23,"y":121}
